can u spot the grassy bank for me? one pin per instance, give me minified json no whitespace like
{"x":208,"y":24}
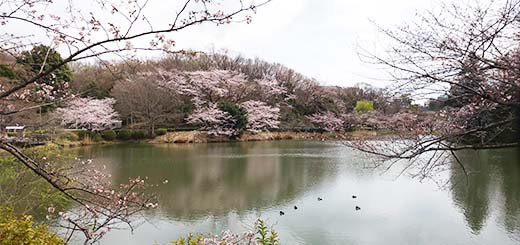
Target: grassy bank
{"x":203,"y":137}
{"x":82,"y":138}
{"x":71,"y":139}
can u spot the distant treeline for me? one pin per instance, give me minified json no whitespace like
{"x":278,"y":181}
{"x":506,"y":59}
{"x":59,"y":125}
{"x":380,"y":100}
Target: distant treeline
{"x":134,"y":83}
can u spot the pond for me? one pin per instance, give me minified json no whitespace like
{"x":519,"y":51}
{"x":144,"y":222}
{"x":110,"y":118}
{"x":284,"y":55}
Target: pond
{"x":215,"y":187}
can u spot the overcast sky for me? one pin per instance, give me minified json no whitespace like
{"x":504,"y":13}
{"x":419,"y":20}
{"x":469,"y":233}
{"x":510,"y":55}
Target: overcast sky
{"x":318,"y":38}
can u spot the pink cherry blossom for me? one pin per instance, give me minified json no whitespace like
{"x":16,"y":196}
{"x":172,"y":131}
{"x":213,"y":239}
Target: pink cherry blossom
{"x":327,"y":121}
{"x":88,"y":113}
{"x":261,"y":116}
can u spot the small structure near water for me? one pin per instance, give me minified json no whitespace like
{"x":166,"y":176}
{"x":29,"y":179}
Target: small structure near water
{"x":18,"y":135}
{"x":16,"y":130}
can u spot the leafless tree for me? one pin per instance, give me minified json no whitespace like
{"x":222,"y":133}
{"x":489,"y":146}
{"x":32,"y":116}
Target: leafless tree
{"x":146,"y":102}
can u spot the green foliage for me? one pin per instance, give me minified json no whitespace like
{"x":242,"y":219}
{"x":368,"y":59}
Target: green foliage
{"x":66,"y":138}
{"x":5,"y":71}
{"x":12,"y":133}
{"x":49,"y":58}
{"x":189,"y":240}
{"x":40,"y":131}
{"x":182,"y":129}
{"x":82,"y":134}
{"x":96,"y":137}
{"x":128,"y":134}
{"x":42,"y":54}
{"x":23,"y":190}
{"x":238,"y":114}
{"x":139,"y":134}
{"x":95,"y":90}
{"x":108,"y":135}
{"x":364,"y":106}
{"x":161,"y":131}
{"x":8,"y":172}
{"x":67,"y":135}
{"x":23,"y":230}
{"x":266,"y":236}
{"x":124,"y":134}
{"x":415,"y":108}
{"x":262,"y":234}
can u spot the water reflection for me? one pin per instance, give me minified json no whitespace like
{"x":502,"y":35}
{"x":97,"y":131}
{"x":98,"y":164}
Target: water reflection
{"x":215,"y":178}
{"x":493,"y":184}
{"x":213,"y":187}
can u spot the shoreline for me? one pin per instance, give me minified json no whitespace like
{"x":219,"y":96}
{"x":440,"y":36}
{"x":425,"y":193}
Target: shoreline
{"x":187,"y":137}
{"x":202,"y":136}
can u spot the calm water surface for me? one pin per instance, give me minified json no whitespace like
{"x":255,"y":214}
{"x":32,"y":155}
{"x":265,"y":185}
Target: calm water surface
{"x":214,"y":187}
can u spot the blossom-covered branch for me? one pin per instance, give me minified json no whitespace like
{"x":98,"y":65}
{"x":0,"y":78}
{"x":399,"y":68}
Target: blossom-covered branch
{"x":88,"y":113}
{"x":472,"y":60}
{"x":104,"y":27}
{"x":102,"y":205}
{"x":327,"y":121}
{"x":260,"y":116}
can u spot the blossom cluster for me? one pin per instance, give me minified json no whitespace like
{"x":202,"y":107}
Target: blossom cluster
{"x":214,"y":120}
{"x":207,"y":88}
{"x":327,"y":121}
{"x":93,"y":114}
{"x":261,"y":116}
{"x":104,"y":205}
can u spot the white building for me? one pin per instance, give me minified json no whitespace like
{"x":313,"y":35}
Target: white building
{"x":19,"y":130}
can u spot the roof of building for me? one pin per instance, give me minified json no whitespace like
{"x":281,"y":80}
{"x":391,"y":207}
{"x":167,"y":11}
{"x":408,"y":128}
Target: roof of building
{"x":15,"y":127}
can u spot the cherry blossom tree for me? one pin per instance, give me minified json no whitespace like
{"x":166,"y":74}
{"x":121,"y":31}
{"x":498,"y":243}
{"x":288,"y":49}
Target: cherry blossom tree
{"x":88,"y":113}
{"x":94,"y":30}
{"x":101,"y":29}
{"x":207,"y":87}
{"x":111,"y":207}
{"x":101,"y":205}
{"x":327,"y":121}
{"x":216,"y":121}
{"x":260,"y":116}
{"x":272,"y":89}
{"x":468,"y":52}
